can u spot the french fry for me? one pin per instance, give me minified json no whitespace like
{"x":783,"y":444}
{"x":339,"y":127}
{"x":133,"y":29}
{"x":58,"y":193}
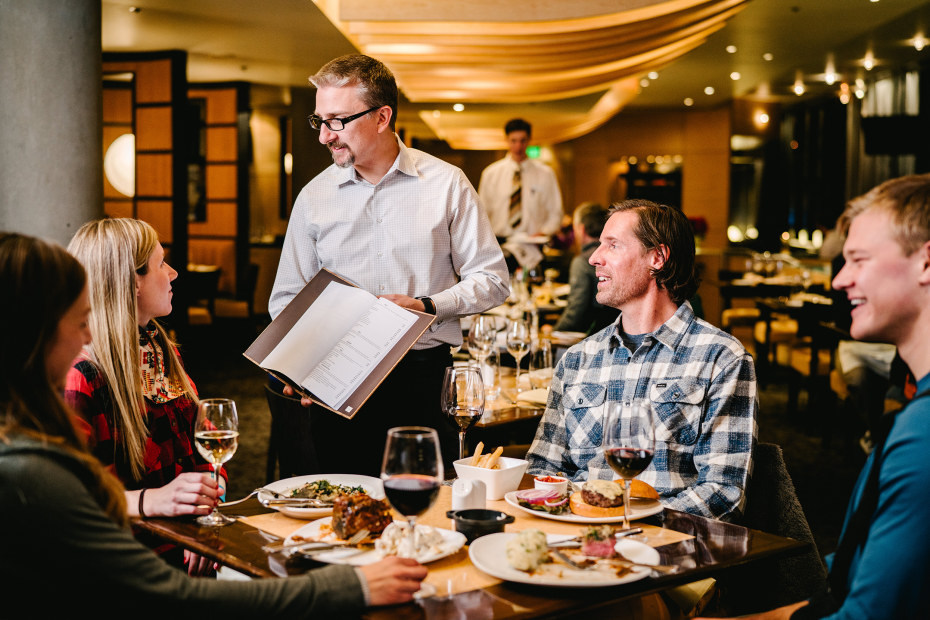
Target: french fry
{"x":477,"y":456}
{"x":492,"y":461}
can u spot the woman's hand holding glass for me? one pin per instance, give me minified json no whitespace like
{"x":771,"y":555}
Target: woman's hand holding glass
{"x":216,"y":435}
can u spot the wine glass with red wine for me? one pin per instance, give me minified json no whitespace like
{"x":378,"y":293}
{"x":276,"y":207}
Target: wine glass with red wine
{"x":629,"y":443}
{"x":412,"y":473}
{"x":463,"y":399}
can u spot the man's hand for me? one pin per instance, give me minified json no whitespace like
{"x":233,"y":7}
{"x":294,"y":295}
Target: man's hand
{"x":406,"y":302}
{"x":393,"y":580}
{"x":289,"y":391}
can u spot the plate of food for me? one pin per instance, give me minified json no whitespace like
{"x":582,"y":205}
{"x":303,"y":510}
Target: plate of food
{"x":319,"y":486}
{"x":598,"y":501}
{"x":432,"y":543}
{"x":525,"y":557}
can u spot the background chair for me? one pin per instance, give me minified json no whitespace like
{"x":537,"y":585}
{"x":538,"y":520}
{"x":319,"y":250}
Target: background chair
{"x":772,"y":506}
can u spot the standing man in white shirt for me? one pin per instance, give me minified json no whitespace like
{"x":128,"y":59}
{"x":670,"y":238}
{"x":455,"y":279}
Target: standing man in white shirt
{"x":402,"y":225}
{"x":520,"y":195}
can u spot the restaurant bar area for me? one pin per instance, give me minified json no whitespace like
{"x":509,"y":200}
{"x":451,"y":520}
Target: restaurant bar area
{"x":343,"y":308}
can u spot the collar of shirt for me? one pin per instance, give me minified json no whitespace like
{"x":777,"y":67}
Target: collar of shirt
{"x":669,"y":333}
{"x":403,"y":164}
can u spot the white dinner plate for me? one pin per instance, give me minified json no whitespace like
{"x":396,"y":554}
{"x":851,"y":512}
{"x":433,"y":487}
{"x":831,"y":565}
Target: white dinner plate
{"x":641,"y":508}
{"x":489,"y":555}
{"x":371,"y":485}
{"x":321,"y":529}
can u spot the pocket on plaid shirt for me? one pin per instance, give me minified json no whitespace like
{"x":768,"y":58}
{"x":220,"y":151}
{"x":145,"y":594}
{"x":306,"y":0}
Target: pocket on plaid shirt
{"x":679,"y":407}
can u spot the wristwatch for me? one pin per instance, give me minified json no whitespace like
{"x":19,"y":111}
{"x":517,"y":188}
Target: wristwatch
{"x":429,"y":306}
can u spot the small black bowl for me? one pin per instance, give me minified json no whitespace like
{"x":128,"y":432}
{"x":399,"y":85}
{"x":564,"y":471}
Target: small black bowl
{"x":477,"y":522}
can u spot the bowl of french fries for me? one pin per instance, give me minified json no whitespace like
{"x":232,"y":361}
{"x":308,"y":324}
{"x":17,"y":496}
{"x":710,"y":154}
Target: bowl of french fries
{"x":500,"y":474}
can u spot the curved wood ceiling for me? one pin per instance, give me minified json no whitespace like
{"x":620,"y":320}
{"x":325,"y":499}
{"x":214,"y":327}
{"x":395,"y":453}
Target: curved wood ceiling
{"x":485,"y":51}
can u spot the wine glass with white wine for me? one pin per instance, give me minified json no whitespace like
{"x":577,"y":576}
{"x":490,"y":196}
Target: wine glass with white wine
{"x":216,"y":434}
{"x":463,"y":399}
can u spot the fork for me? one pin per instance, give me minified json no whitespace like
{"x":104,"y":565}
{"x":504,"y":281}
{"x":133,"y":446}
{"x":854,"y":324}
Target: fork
{"x":662,"y":569}
{"x":353,"y":540}
{"x":256,"y":491}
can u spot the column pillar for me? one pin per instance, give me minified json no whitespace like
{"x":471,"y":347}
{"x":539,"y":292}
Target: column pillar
{"x":51,"y":160}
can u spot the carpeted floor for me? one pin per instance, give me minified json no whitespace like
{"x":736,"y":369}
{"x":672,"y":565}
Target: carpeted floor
{"x":823,"y":472}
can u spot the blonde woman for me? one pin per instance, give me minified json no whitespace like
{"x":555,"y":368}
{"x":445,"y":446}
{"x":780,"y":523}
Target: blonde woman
{"x":129,"y":385}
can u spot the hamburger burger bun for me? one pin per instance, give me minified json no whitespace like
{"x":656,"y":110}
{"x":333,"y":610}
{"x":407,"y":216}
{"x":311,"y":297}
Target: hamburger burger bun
{"x":612,"y":492}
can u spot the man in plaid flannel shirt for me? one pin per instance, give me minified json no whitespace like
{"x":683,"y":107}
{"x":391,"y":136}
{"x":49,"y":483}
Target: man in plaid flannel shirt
{"x":699,"y":379}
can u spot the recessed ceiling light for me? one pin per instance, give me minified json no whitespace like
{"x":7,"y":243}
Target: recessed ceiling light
{"x":869,"y":61}
{"x":767,"y":56}
{"x":798,"y":88}
{"x":735,"y":76}
{"x":919,"y":42}
{"x":652,"y":75}
{"x":689,"y":101}
{"x":731,"y":49}
{"x":644,"y":82}
{"x":709,"y":90}
{"x":458,"y":107}
{"x":436,"y":113}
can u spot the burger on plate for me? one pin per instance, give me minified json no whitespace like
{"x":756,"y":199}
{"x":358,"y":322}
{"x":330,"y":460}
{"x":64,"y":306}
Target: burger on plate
{"x":602,"y":499}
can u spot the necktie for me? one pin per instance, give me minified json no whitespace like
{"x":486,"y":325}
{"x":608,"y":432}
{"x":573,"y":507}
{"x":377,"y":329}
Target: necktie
{"x":516,"y":208}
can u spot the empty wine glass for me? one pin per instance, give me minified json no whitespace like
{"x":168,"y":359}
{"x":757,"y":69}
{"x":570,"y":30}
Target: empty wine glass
{"x":216,"y":435}
{"x":518,"y":343}
{"x":540,"y":372}
{"x":463,"y":399}
{"x":629,"y":443}
{"x":412,"y":473}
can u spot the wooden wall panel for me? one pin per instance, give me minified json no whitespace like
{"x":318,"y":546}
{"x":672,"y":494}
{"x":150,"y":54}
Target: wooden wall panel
{"x":222,"y":144}
{"x":158,"y":214}
{"x":221,"y":182}
{"x":221,"y":221}
{"x":153,"y":79}
{"x":118,"y":208}
{"x":153,"y":128}
{"x":153,"y":175}
{"x":117,"y":105}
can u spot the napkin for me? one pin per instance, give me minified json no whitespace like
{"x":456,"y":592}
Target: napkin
{"x":536,"y":397}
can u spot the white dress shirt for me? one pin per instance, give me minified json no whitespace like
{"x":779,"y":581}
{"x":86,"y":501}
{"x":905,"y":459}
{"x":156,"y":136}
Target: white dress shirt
{"x":540,"y":197}
{"x":419,"y":231}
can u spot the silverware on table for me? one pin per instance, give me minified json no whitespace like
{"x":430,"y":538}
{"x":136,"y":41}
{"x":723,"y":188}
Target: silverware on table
{"x":297,"y":502}
{"x":255,"y":492}
{"x":662,"y":569}
{"x":318,"y":545}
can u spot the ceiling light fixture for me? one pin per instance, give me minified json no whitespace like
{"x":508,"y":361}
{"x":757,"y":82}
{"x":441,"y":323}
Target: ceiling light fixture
{"x":735,"y":76}
{"x":731,"y":49}
{"x":644,"y":82}
{"x":767,"y":57}
{"x":798,"y":88}
{"x":869,"y":61}
{"x":652,"y":75}
{"x":458,"y":107}
{"x":762,"y":118}
{"x":689,"y":101}
{"x":919,"y":42}
{"x":709,"y":90}
{"x":830,"y":73}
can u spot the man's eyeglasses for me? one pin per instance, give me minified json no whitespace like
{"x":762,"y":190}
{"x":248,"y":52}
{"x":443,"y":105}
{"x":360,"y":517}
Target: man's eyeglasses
{"x":336,"y":124}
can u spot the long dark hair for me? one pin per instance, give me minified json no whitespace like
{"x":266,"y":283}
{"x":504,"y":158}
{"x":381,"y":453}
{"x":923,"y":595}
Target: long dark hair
{"x":41,"y":282}
{"x":661,"y":226}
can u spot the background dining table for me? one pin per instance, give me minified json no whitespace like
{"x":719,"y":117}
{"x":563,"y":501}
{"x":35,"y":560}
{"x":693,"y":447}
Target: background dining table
{"x":700,"y":547}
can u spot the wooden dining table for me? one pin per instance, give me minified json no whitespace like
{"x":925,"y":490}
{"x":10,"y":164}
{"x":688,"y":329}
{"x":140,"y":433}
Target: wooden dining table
{"x":700,"y":547}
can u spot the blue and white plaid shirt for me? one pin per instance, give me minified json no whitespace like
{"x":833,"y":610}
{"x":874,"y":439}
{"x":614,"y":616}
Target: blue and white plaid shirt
{"x":702,"y":384}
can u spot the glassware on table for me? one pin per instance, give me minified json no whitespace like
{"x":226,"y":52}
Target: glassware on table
{"x":463,"y":399}
{"x":518,"y":344}
{"x":216,"y":435}
{"x":412,"y":473}
{"x":540,"y":371}
{"x":629,"y":443}
{"x":482,"y":344}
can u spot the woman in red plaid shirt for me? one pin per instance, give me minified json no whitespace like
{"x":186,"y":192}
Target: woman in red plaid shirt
{"x":138,"y":406}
